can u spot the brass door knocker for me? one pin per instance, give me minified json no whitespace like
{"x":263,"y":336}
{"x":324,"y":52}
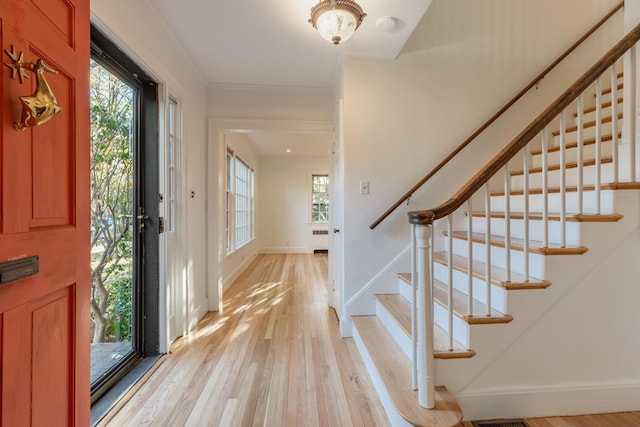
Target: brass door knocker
{"x":42,"y":105}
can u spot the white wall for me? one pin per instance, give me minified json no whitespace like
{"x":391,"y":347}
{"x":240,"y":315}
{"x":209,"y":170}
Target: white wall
{"x":137,"y":29}
{"x":256,"y":102}
{"x":284,"y":206}
{"x":402,"y":117}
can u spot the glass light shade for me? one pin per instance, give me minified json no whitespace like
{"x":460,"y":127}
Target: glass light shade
{"x":336,"y":20}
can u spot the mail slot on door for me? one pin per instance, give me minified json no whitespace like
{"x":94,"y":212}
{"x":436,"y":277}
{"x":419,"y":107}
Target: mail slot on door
{"x":18,"y":269}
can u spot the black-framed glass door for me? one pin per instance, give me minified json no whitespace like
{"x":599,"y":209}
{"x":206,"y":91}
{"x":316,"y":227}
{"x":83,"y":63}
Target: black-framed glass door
{"x":124,"y":214}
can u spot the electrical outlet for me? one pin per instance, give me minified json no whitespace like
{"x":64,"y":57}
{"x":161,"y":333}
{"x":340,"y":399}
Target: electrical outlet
{"x":364,"y":187}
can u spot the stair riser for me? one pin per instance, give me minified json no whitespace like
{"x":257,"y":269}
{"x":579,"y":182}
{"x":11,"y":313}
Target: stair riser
{"x":571,"y":155}
{"x":536,"y":230}
{"x":536,"y":202}
{"x":461,"y":283}
{"x":588,"y":132}
{"x":498,"y":257}
{"x":535,"y":179}
{"x":399,"y":335}
{"x":404,"y":289}
{"x":606,"y":112}
{"x":498,"y":301}
{"x":460,"y":327}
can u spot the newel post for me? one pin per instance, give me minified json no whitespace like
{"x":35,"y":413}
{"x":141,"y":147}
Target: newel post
{"x":425,"y":365}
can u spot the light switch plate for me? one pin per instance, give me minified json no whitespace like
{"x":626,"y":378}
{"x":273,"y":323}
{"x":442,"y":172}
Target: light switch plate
{"x":364,"y":187}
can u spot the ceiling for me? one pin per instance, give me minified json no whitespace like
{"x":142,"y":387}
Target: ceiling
{"x":270,"y":44}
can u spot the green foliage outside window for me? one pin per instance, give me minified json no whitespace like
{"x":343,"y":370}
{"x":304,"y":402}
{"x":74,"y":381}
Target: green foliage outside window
{"x":320,"y":198}
{"x":112,"y":108}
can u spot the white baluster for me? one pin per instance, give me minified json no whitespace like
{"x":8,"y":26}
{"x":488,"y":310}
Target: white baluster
{"x":525,"y":218}
{"x":507,"y":216}
{"x":563,"y":177}
{"x":632,"y":120}
{"x":469,"y":258}
{"x":545,"y":186}
{"x":488,"y":246}
{"x":414,"y":312}
{"x":450,"y":283}
{"x":579,"y":189}
{"x":598,"y":165}
{"x":426,"y":379}
{"x":614,"y":121}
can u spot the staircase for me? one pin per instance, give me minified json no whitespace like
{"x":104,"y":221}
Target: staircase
{"x":507,"y":255}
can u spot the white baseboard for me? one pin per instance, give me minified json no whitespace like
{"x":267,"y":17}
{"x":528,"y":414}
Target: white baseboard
{"x":229,"y":278}
{"x":286,"y":250}
{"x":539,"y":401}
{"x":197,"y":313}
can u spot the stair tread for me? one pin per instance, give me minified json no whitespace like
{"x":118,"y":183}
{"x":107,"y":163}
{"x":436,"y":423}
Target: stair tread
{"x":573,"y":188}
{"x":568,"y":165}
{"x":517,"y":244}
{"x":461,"y":304}
{"x":498,"y":275}
{"x":460,"y":307}
{"x":537,"y":216}
{"x":394,"y":368}
{"x":570,"y":145}
{"x":400,"y":309}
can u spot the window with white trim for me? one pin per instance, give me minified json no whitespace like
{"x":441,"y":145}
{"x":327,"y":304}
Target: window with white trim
{"x":320,"y":198}
{"x":171,"y":153}
{"x":239,"y":211}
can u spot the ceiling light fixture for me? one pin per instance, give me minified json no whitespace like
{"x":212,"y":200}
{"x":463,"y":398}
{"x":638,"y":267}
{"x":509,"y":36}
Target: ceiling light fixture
{"x":336,"y":20}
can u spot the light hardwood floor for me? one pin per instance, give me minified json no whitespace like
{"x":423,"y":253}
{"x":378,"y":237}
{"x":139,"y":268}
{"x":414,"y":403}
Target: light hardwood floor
{"x":621,"y":419}
{"x":274,"y":357}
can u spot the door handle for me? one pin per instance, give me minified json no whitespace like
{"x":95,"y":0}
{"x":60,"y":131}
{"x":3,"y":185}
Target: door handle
{"x":336,"y":230}
{"x":141,"y":220}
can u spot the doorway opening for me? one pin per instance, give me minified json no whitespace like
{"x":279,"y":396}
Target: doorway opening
{"x":124,"y":215}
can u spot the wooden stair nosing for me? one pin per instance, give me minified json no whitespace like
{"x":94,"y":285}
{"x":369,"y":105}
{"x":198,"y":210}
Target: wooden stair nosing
{"x":606,"y":104}
{"x":460,"y":307}
{"x":589,"y":124}
{"x":607,"y":91}
{"x":394,"y":369}
{"x":568,"y":165}
{"x":400,"y":309}
{"x":498,"y":275}
{"x":406,"y":277}
{"x":535,"y":247}
{"x":537,"y":216}
{"x":574,"y":144}
{"x":574,"y":188}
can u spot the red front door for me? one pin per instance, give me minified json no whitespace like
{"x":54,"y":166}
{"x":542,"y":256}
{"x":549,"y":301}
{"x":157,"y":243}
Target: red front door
{"x":44,"y":212}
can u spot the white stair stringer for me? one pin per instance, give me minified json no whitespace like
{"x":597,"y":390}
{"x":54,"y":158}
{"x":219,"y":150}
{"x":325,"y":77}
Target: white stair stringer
{"x":394,"y":417}
{"x":486,"y":384}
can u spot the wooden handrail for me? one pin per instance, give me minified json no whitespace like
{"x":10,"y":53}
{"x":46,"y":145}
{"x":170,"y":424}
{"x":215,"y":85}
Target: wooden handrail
{"x":426,"y":217}
{"x":493,"y":118}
